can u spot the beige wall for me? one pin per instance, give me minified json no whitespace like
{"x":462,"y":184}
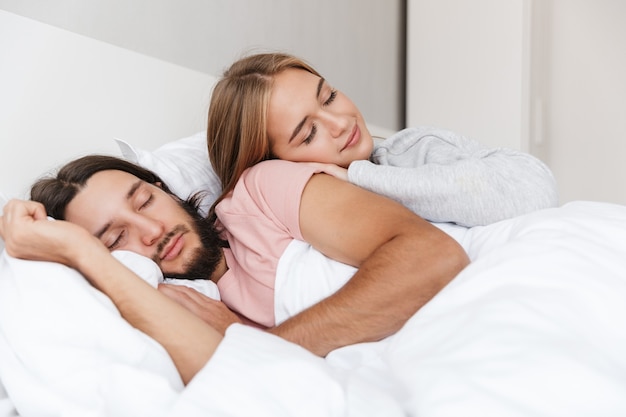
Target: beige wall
{"x":546,"y":76}
{"x":581,"y":83}
{"x":467,"y":68}
{"x":357,"y":44}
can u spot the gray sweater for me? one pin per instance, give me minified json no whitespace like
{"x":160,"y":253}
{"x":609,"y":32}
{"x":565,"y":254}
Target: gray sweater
{"x":445,"y":177}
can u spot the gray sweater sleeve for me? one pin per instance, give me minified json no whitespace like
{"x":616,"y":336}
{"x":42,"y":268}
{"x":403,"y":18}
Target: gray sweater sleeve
{"x":445,"y":177}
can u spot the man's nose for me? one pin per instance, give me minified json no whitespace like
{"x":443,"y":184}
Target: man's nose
{"x":151,"y":230}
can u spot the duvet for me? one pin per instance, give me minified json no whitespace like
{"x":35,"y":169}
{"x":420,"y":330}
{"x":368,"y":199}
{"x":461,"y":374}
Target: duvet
{"x":534,"y":326}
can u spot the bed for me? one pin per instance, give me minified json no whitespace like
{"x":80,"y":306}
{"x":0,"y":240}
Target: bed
{"x":535,"y":326}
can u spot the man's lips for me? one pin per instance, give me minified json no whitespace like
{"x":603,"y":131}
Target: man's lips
{"x":172,"y":250}
{"x":353,"y":138}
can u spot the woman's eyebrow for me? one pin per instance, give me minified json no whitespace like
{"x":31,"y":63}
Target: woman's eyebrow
{"x":319,"y":87}
{"x":320,"y":84}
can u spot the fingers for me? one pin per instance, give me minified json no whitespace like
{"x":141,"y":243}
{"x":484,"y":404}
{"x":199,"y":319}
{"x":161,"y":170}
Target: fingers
{"x":211,"y":311}
{"x":29,"y":235}
{"x":178,"y":291}
{"x":174,"y":293}
{"x":16,"y":210}
{"x":184,"y":295}
{"x":316,"y":165}
{"x":330,"y":169}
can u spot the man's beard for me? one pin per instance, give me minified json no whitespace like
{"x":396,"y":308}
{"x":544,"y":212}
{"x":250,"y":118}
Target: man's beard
{"x":205,"y":259}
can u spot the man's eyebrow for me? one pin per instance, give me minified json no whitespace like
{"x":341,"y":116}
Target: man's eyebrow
{"x":131,"y":191}
{"x":320,"y":84}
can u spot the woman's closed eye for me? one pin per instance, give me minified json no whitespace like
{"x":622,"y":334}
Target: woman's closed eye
{"x":331,"y":97}
{"x":311,"y":135}
{"x":328,"y":101}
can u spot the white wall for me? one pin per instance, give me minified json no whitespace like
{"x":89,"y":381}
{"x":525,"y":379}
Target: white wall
{"x":65,"y":95}
{"x":358,"y":45}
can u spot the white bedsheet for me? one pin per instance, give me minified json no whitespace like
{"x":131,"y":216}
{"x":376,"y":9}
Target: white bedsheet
{"x":6,"y":405}
{"x":305,"y":276}
{"x":535,"y":326}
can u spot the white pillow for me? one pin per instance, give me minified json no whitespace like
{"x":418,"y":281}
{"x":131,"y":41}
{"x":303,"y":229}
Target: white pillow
{"x":183,"y":164}
{"x":64,"y":345}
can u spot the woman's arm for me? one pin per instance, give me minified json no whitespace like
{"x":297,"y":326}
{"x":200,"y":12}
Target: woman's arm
{"x":29,"y":235}
{"x":403,"y":262}
{"x":446,"y":177}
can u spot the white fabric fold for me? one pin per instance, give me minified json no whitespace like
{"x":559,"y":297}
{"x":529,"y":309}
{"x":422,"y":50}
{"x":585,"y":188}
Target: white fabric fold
{"x":534,"y":327}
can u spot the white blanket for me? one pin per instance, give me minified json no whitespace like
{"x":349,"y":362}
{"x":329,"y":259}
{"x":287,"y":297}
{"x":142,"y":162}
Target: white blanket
{"x":535,"y":326}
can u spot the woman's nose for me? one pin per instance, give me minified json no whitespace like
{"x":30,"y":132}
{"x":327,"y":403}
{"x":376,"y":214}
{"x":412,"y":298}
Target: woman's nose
{"x":337,"y":124}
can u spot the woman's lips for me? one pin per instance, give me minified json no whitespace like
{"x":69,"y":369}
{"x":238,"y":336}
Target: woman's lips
{"x":353,"y":139}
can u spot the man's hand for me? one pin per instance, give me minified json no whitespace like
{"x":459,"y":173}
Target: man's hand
{"x":28,"y":234}
{"x":209,"y":310}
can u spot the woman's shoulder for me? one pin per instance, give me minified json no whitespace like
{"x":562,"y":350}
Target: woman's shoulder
{"x":272,"y":164}
{"x":275,"y":176}
{"x":277,"y":168}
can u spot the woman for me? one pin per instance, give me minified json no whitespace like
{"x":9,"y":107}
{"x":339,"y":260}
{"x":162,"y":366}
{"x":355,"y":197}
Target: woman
{"x":275,"y":105}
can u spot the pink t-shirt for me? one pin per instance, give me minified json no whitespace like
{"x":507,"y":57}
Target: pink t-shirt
{"x":261,"y":217}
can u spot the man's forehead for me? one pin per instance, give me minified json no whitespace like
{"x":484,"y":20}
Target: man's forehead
{"x":112,"y":181}
{"x":105,"y":187}
{"x":99,"y":202}
{"x":113,"y":173}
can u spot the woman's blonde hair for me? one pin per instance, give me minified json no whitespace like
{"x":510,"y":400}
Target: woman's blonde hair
{"x":237,"y":123}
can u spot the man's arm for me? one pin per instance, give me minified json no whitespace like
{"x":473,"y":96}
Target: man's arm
{"x":403,"y":262}
{"x":29,"y":235}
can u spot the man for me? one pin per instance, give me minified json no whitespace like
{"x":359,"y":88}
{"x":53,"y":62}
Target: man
{"x":111,"y":204}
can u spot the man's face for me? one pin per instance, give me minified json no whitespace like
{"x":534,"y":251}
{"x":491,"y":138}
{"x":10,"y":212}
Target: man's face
{"x":127,"y":213}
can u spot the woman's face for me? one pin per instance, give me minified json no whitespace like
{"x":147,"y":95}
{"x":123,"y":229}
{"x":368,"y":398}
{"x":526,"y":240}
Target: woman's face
{"x":309,"y":121}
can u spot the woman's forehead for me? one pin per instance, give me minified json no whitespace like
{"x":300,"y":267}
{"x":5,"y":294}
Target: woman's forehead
{"x":293,"y":92}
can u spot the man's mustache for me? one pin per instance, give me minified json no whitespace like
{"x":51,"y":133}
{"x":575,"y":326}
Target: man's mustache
{"x":166,"y":239}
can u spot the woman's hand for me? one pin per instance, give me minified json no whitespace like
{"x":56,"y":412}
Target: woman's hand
{"x":29,"y":234}
{"x":331,"y":169}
